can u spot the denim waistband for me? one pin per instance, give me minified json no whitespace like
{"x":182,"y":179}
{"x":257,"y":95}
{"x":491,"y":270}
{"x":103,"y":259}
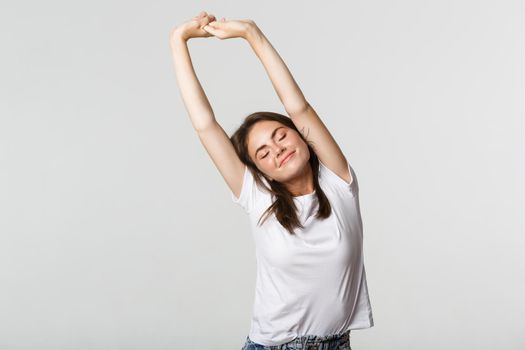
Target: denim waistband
{"x":309,"y":342}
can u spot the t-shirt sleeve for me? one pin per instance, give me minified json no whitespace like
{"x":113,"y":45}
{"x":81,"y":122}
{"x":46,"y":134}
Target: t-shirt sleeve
{"x":250,"y":193}
{"x":337,"y":182}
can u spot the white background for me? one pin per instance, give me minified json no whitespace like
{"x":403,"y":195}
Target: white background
{"x":117,"y":231}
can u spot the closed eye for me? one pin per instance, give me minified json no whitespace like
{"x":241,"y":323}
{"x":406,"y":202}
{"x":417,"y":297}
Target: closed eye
{"x":284,"y":135}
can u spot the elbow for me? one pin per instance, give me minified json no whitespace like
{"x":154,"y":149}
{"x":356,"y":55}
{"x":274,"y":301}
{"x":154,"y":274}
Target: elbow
{"x":204,"y":127}
{"x":298,"y":109}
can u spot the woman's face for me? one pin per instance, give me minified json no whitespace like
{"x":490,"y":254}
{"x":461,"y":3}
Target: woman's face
{"x":277,"y":150}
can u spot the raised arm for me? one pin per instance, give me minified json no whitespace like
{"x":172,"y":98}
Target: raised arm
{"x":211,"y":134}
{"x":300,"y":111}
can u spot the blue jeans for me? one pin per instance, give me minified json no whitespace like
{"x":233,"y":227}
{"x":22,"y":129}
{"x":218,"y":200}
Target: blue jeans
{"x":307,"y":342}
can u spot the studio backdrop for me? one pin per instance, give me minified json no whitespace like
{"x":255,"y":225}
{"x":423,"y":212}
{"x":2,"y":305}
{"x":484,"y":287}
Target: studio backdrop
{"x":118,"y":232}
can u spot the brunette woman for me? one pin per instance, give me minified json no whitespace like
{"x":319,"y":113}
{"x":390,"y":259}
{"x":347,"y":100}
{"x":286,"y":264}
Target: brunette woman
{"x":301,"y":195}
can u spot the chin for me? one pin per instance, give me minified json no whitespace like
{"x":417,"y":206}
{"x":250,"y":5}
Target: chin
{"x":296,"y":166}
{"x":302,"y":162}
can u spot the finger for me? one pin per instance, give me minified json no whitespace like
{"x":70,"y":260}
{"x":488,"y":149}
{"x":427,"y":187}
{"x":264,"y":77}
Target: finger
{"x":208,"y":19}
{"x":210,"y":30}
{"x":210,"y":24}
{"x":215,"y":24}
{"x":204,"y":21}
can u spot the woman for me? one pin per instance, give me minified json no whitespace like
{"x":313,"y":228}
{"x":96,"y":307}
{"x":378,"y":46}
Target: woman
{"x":294,"y":182}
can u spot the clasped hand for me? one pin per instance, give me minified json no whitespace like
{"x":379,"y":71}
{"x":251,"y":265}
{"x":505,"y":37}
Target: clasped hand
{"x":205,"y":25}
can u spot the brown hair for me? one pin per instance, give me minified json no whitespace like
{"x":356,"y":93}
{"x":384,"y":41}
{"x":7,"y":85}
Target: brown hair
{"x":283,"y":207}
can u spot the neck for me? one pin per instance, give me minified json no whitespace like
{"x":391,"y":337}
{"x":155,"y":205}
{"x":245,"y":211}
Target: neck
{"x":303,"y":184}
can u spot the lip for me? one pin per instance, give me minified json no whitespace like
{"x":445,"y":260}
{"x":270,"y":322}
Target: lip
{"x":287,"y":158}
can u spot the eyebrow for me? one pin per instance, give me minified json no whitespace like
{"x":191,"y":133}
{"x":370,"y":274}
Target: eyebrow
{"x":273,"y":135}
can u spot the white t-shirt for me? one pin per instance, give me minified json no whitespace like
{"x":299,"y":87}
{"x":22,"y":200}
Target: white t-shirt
{"x":313,"y":282}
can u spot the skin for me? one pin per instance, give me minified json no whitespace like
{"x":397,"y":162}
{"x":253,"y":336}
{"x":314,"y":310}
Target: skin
{"x":296,"y":176}
{"x":296,"y":173}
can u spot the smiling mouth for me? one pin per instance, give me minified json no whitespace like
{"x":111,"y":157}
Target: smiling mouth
{"x":287,"y":158}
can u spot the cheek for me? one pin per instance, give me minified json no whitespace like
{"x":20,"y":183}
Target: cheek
{"x":306,"y":151}
{"x":301,"y":145}
{"x":267,"y":163}
{"x":299,"y":141}
{"x":260,"y":163}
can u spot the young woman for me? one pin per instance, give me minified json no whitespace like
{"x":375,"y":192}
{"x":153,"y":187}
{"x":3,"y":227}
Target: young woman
{"x":294,"y":182}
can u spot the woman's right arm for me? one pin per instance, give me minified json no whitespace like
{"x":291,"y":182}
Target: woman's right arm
{"x":211,"y":134}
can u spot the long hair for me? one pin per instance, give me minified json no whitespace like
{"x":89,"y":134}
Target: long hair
{"x":283,"y":207}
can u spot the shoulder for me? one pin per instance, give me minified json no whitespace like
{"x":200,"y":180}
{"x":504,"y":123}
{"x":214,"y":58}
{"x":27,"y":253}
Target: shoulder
{"x":251,"y":192}
{"x":333,"y":180}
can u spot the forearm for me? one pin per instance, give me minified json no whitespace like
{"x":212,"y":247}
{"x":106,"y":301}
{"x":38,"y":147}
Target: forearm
{"x":193,"y":96}
{"x":282,"y":80}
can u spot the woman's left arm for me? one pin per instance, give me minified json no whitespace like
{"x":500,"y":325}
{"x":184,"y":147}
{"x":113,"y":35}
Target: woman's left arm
{"x":300,"y":111}
{"x":282,"y":80}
